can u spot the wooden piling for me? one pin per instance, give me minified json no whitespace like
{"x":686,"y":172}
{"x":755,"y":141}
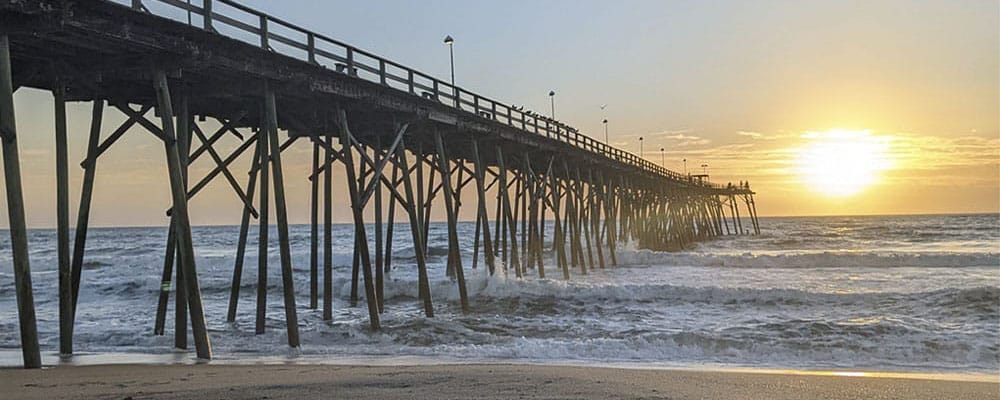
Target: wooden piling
{"x":184,"y":242}
{"x":183,"y":135}
{"x":15,"y":210}
{"x":241,"y":246}
{"x":508,"y":217}
{"x":328,"y":228}
{"x":390,"y":220}
{"x":62,"y":225}
{"x":488,"y":254}
{"x":314,"y":232}
{"x":281,"y":211}
{"x":379,"y":278}
{"x":451,"y":209}
{"x":263,"y":143}
{"x":166,"y":280}
{"x":415,"y":232}
{"x":86,"y":194}
{"x":359,"y":224}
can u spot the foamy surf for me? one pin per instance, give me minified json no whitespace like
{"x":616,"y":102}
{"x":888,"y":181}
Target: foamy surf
{"x":877,"y":297}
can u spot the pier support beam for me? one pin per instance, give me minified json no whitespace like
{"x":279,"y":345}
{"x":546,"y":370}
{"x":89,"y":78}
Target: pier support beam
{"x":86,"y":194}
{"x":415,"y":231}
{"x":357,"y":209}
{"x":241,"y":244}
{"x":281,"y":211}
{"x":62,"y":226}
{"x":15,"y":211}
{"x":184,"y":241}
{"x":483,"y":215}
{"x":451,"y":209}
{"x":314,"y":231}
{"x":328,"y":228}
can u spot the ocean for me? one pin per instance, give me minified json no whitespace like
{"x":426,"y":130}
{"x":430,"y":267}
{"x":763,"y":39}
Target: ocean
{"x":882,"y":293}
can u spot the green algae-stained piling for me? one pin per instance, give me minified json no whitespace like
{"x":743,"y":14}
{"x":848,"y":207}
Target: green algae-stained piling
{"x":263,"y":79}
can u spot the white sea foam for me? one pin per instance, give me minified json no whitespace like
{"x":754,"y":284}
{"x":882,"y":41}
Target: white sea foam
{"x":896,"y":293}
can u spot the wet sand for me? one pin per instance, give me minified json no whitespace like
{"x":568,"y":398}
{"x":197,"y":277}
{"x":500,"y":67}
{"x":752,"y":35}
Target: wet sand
{"x":485,"y":381}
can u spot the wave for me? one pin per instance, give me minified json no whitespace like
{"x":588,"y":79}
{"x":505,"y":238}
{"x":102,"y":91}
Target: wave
{"x":819,"y":259}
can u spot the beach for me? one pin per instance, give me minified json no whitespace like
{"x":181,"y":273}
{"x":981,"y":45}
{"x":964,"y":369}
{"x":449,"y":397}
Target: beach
{"x":461,"y":381}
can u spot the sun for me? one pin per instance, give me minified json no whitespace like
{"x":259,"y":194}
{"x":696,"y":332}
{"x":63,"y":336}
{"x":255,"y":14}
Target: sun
{"x":842,"y":163}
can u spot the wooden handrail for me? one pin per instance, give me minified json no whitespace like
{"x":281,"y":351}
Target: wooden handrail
{"x":442,"y":91}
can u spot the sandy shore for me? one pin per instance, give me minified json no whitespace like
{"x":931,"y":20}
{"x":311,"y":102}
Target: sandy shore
{"x":488,"y":381}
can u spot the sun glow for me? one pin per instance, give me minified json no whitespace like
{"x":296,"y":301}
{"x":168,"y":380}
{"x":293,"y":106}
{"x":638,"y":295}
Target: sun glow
{"x":842,"y":163}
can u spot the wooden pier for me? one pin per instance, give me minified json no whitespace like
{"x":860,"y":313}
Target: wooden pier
{"x":404,"y":139}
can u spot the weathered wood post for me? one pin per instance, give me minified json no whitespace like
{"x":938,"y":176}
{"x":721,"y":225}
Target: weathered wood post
{"x":86,"y":194}
{"x":314,"y":231}
{"x":390,"y":220}
{"x":186,"y":247}
{"x":508,"y":216}
{"x":356,"y":259}
{"x":15,"y":211}
{"x":379,"y":278}
{"x":62,"y":225}
{"x":264,"y":145}
{"x":450,"y":208}
{"x":184,"y":150}
{"x":558,"y":236}
{"x":159,"y":326}
{"x":415,"y":232}
{"x":359,"y":223}
{"x":328,"y":228}
{"x":281,"y":211}
{"x":241,"y":246}
{"x":488,"y":253}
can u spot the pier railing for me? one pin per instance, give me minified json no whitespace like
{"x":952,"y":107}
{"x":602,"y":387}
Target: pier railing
{"x":237,"y":21}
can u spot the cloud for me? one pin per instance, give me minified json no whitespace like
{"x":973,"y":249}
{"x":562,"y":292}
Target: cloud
{"x":762,"y":136}
{"x":679,"y":138}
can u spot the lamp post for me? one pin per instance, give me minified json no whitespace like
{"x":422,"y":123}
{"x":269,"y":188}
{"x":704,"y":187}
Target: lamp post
{"x":605,"y":131}
{"x":552,"y":100}
{"x":448,"y":40}
{"x":663,"y":159}
{"x":640,"y":146}
{"x":685,"y":166}
{"x":704,"y":169}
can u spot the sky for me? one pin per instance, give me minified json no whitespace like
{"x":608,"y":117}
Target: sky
{"x":826,"y":107}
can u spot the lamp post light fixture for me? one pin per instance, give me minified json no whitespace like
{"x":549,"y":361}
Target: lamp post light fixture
{"x":605,"y":131}
{"x":552,"y":100}
{"x":448,"y":40}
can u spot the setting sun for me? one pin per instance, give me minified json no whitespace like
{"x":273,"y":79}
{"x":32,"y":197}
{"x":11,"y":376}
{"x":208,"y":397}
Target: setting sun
{"x":842,"y":163}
